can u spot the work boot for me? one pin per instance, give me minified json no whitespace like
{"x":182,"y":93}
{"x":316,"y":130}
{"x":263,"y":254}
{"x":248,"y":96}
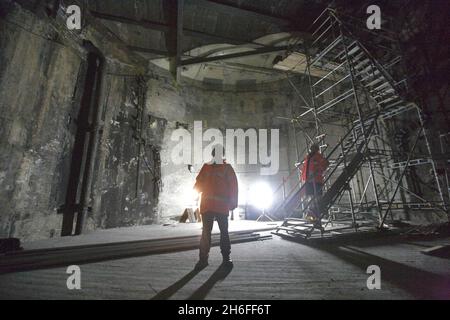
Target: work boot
{"x":227,"y":262}
{"x":201,"y":264}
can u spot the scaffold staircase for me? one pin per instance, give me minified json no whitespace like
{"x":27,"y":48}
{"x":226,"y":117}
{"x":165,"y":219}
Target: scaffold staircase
{"x":351,"y":153}
{"x":338,"y":50}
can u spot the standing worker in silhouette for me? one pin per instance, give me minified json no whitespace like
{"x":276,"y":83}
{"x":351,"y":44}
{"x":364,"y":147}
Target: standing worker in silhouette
{"x":312,"y":171}
{"x":218,"y":186}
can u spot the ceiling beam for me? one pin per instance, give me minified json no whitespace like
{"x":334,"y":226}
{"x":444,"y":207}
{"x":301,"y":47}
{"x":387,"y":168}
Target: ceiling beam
{"x":158,"y":52}
{"x":244,"y":12}
{"x":233,"y":55}
{"x":142,"y":23}
{"x":179,"y":38}
{"x":163,"y":27}
{"x":215,"y":38}
{"x":173,"y":14}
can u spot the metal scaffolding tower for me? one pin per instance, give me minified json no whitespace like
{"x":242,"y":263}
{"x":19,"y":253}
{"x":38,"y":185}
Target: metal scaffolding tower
{"x":371,"y":174}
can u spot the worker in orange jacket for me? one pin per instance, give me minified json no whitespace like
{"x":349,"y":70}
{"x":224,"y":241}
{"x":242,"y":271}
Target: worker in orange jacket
{"x":312,"y":171}
{"x":218,"y":186}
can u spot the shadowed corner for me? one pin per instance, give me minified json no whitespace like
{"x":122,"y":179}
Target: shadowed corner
{"x":420,"y":283}
{"x":219,"y":275}
{"x":174,"y":288}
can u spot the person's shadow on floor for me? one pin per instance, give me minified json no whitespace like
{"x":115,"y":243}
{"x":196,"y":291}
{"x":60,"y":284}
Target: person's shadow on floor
{"x":170,"y":291}
{"x":219,"y":275}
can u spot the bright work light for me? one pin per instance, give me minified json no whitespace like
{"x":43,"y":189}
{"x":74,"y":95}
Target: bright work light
{"x":261,"y":195}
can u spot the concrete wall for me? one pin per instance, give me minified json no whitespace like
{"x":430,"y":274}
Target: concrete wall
{"x":37,"y":85}
{"x":222,"y":108}
{"x":40,"y":95}
{"x":126,"y":181}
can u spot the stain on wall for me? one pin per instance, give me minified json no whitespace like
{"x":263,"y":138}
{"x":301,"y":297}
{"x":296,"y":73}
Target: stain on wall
{"x":129,"y":171}
{"x":37,"y":88}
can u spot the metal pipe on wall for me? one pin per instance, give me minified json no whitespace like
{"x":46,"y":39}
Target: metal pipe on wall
{"x":94,"y":136}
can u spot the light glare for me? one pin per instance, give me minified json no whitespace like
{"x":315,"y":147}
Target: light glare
{"x":261,"y":195}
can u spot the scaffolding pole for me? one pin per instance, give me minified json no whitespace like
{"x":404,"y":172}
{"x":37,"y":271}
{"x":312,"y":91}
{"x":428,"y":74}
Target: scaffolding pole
{"x":433,"y":165}
{"x":361,"y":120}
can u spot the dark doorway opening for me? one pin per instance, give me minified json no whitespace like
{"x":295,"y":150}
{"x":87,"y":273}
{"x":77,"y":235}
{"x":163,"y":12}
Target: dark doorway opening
{"x":85,"y":146}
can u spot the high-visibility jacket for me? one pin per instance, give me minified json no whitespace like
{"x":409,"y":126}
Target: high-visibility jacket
{"x":218,"y":186}
{"x":313,"y":168}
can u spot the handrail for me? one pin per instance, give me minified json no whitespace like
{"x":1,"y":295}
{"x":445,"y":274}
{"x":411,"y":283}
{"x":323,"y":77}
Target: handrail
{"x":370,"y":56}
{"x":287,"y":178}
{"x":388,"y":35}
{"x":335,"y":15}
{"x":380,"y":68}
{"x":288,"y":197}
{"x":281,"y":184}
{"x":317,"y":19}
{"x":391,"y":33}
{"x":341,"y":160}
{"x":319,"y":27}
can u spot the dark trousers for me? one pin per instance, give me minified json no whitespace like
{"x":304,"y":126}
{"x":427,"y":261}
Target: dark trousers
{"x":313,"y":190}
{"x":205,"y":242}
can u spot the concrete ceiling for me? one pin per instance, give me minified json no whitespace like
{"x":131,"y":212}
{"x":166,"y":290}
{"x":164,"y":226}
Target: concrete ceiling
{"x":212,"y":28}
{"x":258,"y":68}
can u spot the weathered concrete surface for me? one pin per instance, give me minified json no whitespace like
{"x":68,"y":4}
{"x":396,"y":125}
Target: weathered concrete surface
{"x":272,"y":269}
{"x":37,"y":80}
{"x":40,"y":80}
{"x":127,"y":176}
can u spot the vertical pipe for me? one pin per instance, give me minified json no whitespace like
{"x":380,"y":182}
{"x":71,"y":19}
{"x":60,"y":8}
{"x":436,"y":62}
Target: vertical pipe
{"x":140,"y":136}
{"x":93,"y":142}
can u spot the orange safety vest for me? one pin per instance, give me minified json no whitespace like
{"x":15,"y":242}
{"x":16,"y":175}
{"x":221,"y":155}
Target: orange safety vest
{"x":313,"y":168}
{"x":218,"y":186}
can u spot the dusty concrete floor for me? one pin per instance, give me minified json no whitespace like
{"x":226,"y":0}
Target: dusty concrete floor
{"x":146,"y":232}
{"x":270,"y":269}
